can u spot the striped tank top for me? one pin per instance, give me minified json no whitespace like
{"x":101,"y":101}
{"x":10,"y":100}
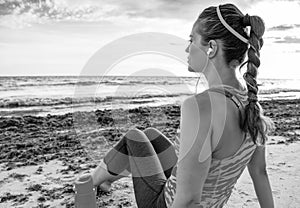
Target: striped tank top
{"x":222,"y":176}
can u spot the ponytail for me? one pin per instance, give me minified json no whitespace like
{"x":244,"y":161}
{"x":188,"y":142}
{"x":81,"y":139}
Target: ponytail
{"x":255,"y":123}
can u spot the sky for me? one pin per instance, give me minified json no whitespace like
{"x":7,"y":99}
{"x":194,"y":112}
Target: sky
{"x":60,"y":37}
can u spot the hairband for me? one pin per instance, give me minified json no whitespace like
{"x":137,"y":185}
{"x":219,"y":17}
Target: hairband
{"x":235,"y":33}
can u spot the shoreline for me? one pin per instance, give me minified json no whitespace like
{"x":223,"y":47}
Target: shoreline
{"x":41,"y":155}
{"x":114,"y":103}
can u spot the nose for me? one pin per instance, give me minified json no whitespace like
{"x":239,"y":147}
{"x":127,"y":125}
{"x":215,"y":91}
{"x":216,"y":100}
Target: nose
{"x":187,"y":48}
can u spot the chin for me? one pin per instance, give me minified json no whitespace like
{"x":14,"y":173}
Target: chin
{"x":190,"y":69}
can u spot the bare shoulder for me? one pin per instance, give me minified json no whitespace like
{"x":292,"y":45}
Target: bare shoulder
{"x":200,"y":101}
{"x":206,"y":101}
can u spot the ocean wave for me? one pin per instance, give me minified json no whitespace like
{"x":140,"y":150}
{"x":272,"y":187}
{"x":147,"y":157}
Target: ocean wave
{"x":83,"y":83}
{"x":30,"y":102}
{"x":276,"y":91}
{"x":19,"y":86}
{"x":13,"y":102}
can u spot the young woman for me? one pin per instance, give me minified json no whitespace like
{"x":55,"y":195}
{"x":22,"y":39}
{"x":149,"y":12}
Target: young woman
{"x":222,"y":129}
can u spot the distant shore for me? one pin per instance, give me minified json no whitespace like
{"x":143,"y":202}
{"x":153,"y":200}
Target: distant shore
{"x":40,"y":156}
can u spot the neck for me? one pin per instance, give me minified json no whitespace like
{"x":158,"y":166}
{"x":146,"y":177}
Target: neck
{"x":222,"y":76}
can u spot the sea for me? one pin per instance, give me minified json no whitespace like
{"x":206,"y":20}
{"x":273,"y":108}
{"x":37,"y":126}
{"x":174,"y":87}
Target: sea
{"x":42,"y":95}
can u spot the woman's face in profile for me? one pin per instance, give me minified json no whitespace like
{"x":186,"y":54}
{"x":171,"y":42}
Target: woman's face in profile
{"x":197,"y":58}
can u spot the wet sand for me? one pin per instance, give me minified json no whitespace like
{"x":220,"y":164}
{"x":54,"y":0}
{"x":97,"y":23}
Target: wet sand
{"x":41,"y":156}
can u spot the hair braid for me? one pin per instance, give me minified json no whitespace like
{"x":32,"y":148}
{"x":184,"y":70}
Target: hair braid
{"x":254,"y":124}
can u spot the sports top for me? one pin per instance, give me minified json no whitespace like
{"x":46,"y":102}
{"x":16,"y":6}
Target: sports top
{"x":223,"y":173}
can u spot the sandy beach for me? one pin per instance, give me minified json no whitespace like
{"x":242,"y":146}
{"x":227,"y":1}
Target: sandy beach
{"x":41,"y":156}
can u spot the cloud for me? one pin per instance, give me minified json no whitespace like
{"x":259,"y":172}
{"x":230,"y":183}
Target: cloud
{"x":289,"y":39}
{"x":284,"y":27}
{"x":172,"y":8}
{"x":23,"y":13}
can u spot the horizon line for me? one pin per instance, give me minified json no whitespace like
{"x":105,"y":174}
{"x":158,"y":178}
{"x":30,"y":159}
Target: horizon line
{"x":298,"y":78}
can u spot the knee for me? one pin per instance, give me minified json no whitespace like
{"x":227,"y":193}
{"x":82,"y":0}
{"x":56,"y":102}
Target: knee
{"x":152,"y":132}
{"x":134,"y":132}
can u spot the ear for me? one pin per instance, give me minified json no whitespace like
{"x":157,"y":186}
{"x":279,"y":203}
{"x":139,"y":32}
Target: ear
{"x":214,"y":48}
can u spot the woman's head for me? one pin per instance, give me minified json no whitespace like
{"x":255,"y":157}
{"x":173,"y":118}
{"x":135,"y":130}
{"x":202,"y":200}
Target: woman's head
{"x":234,"y":49}
{"x":209,"y":27}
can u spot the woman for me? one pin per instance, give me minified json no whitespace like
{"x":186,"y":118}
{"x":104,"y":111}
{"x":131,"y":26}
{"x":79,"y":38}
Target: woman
{"x":222,"y":129}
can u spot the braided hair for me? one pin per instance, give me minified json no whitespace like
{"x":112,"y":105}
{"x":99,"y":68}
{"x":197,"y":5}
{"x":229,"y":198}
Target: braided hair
{"x":210,"y":27}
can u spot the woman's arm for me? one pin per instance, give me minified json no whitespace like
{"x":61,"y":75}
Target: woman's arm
{"x":191,"y":174}
{"x":259,"y":175}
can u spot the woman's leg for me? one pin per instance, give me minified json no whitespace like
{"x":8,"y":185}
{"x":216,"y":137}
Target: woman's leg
{"x":164,"y":148}
{"x":135,"y":153}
